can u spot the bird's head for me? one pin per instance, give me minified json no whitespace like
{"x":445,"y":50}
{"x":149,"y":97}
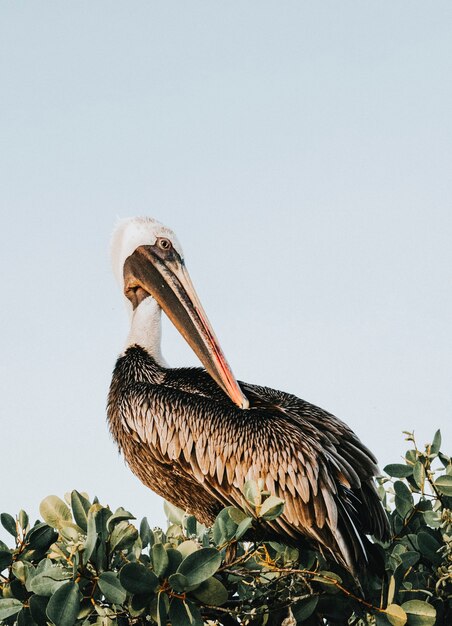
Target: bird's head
{"x":148,"y":262}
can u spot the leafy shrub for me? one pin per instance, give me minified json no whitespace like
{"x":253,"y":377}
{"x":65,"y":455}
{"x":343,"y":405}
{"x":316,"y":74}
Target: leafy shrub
{"x":88,"y":565}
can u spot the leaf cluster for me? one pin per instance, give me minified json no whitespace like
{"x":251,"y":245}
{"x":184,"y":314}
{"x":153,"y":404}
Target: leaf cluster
{"x":85,"y":564}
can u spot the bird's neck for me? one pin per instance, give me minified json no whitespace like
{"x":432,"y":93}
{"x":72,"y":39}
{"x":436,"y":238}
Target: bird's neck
{"x":146,"y":329}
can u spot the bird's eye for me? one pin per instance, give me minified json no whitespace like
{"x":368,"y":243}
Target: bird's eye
{"x":163,"y":243}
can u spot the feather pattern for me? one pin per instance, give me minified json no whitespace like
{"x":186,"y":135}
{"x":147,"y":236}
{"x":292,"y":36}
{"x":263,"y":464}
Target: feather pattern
{"x":187,"y":441}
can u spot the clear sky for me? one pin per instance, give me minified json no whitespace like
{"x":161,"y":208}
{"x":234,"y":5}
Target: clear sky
{"x":302,"y":152}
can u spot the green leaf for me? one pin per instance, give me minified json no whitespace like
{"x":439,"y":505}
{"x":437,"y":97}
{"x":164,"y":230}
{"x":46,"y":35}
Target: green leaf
{"x":305,"y":608}
{"x":193,"y":614}
{"x":212,"y":592}
{"x":187,"y":547}
{"x":159,"y":559}
{"x":444,"y":485}
{"x":177,"y":613}
{"x":398,"y":470}
{"x":64,"y":605}
{"x":272,"y":508}
{"x":23,"y":519}
{"x":146,"y":534}
{"x":102,"y":515}
{"x":419,"y":474}
{"x":9,"y":606}
{"x":162,"y":609}
{"x":436,"y":444}
{"x":17,"y":590}
{"x":429,"y":546}
{"x":190,"y":525}
{"x":23,"y":570}
{"x":6,"y":558}
{"x":118,"y":516}
{"x":9,"y":523}
{"x":123,"y":536}
{"x":410,"y":558}
{"x":174,"y":560}
{"x":173,"y":513}
{"x":402,"y":491}
{"x":236,"y":515}
{"x":445,"y":460}
{"x":244,"y":525}
{"x":327,"y":578}
{"x":178,"y":582}
{"x":137,"y":578}
{"x":396,"y":615}
{"x":419,"y":613}
{"x":41,"y":537}
{"x":38,"y":606}
{"x":92,"y":535}
{"x":24,"y":618}
{"x":80,"y":507}
{"x":224,"y":528}
{"x":47,"y":581}
{"x":403,"y":499}
{"x":200,"y":565}
{"x":111,"y":588}
{"x":433,"y":518}
{"x":252,"y":492}
{"x":54,"y":511}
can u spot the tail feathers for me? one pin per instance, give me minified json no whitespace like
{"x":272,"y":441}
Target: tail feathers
{"x":359,"y":553}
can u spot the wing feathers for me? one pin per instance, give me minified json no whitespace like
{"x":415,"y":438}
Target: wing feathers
{"x":305,"y":455}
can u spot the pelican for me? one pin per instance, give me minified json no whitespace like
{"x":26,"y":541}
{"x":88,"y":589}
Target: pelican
{"x":196,"y":435}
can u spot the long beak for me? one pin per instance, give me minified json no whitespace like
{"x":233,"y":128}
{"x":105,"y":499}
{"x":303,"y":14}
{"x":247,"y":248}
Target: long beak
{"x":167,"y":280}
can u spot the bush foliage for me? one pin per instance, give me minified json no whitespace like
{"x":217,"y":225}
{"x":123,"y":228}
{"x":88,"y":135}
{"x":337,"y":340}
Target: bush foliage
{"x":85,"y":564}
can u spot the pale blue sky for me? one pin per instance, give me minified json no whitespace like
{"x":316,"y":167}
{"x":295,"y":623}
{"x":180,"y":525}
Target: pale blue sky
{"x":302,"y":152}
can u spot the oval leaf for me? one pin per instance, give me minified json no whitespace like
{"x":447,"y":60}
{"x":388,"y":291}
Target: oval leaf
{"x":178,"y":582}
{"x":187,"y":547}
{"x":80,"y":507}
{"x":137,"y":578}
{"x":123,"y":536}
{"x":224,"y":527}
{"x":146,"y":534}
{"x":244,"y":525}
{"x":236,"y":515}
{"x":38,"y":606}
{"x":9,"y":606}
{"x":444,"y":485}
{"x":64,"y":605}
{"x":396,"y":615}
{"x":200,"y":565}
{"x":305,"y":608}
{"x":6,"y":558}
{"x":436,"y":443}
{"x":41,"y":537}
{"x":212,"y":592}
{"x":429,"y":546}
{"x":118,"y":516}
{"x":46,"y":582}
{"x":398,"y":470}
{"x":252,"y":492}
{"x":54,"y":511}
{"x":159,"y":558}
{"x":9,"y":523}
{"x":177,"y":613}
{"x":419,"y":474}
{"x":272,"y":508}
{"x":111,"y":588}
{"x":419,"y":613}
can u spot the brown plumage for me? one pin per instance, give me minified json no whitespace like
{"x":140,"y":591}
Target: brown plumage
{"x":186,"y":439}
